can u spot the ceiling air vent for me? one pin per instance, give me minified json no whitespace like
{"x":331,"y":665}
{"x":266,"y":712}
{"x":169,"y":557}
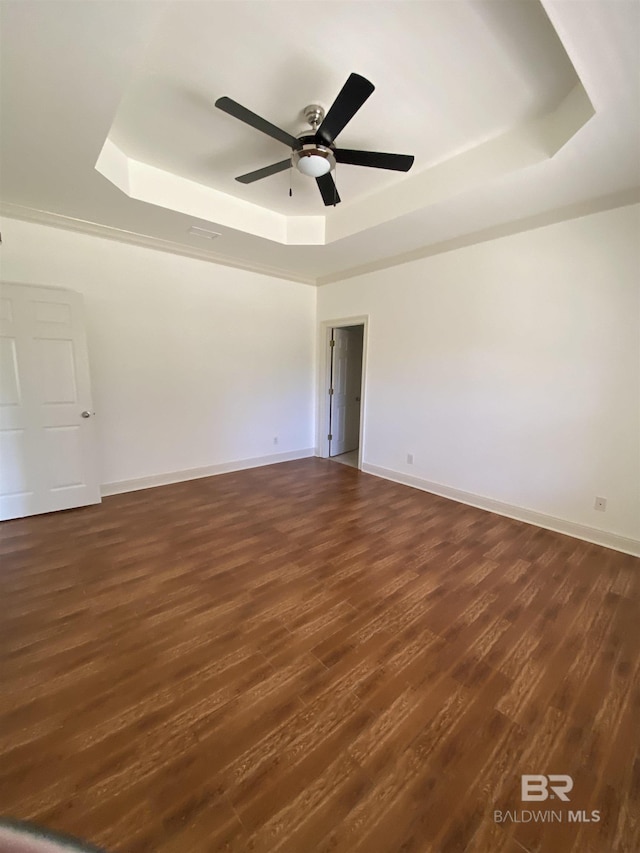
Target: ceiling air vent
{"x":203,"y":232}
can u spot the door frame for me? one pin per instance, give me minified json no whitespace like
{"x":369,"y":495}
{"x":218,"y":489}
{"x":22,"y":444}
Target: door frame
{"x":324,"y":377}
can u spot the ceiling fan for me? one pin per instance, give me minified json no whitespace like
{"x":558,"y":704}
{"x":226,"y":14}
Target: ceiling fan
{"x":315,"y":154}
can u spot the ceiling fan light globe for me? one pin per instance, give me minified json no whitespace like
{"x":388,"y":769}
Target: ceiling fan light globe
{"x":314,"y":165}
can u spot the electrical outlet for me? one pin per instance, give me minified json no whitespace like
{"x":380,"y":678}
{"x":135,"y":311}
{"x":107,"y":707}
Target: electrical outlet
{"x":409,"y":458}
{"x":600,"y":504}
{"x":275,"y":439}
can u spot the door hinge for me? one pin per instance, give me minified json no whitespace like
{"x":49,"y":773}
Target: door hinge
{"x":330,"y":391}
{"x":330,"y":437}
{"x":332,"y":343}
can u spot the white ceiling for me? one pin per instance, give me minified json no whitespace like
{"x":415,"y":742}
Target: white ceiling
{"x":276,"y":58}
{"x":517,"y":113}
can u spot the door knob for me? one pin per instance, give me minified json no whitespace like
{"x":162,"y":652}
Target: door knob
{"x":85,"y":415}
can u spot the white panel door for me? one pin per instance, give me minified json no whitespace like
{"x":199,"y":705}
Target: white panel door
{"x":47,"y":432}
{"x":354,"y":384}
{"x":338,"y":406}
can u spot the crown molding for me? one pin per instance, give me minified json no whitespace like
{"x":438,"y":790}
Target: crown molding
{"x":624,"y":198}
{"x":95,"y":229}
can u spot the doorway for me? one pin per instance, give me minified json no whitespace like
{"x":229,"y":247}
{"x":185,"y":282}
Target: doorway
{"x":47,"y":432}
{"x":342,"y":385}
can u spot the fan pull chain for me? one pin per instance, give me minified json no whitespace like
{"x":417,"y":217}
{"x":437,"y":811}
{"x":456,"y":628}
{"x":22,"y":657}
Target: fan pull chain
{"x":290,"y":181}
{"x":335,"y":185}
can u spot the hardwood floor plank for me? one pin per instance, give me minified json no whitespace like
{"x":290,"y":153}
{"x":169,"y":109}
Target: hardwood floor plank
{"x":305,"y":658}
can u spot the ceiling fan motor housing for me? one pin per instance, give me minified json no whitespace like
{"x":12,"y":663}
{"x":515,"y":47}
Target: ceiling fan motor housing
{"x":313,"y":159}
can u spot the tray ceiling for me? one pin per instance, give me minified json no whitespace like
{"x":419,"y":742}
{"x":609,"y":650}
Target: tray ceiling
{"x":513,"y":110}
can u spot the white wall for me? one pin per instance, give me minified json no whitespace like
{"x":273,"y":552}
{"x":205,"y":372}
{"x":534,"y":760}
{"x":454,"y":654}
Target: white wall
{"x":511,"y":369}
{"x":193,"y":364}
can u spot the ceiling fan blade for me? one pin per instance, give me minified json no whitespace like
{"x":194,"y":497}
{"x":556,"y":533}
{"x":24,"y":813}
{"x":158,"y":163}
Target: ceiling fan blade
{"x":350,"y":98}
{"x":250,"y":177}
{"x":238,"y":111}
{"x":375,"y":159}
{"x":328,"y":190}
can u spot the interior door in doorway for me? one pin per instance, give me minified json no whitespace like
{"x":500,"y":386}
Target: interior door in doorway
{"x":346,"y":369}
{"x":47,"y":434}
{"x":338,"y":401}
{"x":354,"y":384}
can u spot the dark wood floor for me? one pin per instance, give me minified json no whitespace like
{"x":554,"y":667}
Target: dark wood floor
{"x":307,"y":658}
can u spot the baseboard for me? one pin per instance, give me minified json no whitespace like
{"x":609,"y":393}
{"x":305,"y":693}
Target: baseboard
{"x":549,"y":522}
{"x":196,"y":473}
